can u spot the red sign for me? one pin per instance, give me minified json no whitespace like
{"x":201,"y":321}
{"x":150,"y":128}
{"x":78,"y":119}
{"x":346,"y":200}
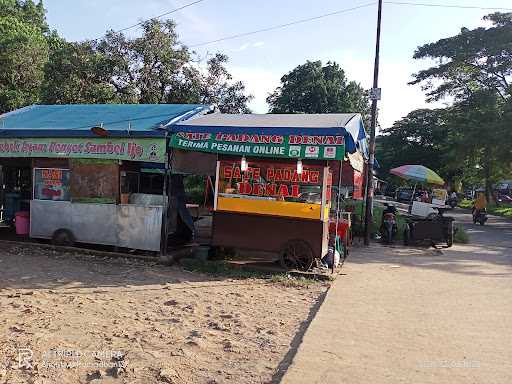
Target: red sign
{"x":268,"y":179}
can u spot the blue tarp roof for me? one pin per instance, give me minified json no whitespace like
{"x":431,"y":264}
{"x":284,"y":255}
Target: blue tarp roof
{"x":76,"y":120}
{"x":348,"y":124}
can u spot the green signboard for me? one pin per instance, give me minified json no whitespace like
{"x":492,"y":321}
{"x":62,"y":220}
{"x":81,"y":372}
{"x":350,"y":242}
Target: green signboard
{"x":134,"y":149}
{"x":278,"y":146}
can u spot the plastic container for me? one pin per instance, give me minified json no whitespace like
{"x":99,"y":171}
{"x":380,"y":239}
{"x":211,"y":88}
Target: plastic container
{"x":22,"y":223}
{"x":342,"y":227}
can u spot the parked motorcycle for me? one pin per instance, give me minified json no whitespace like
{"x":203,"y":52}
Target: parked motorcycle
{"x":389,"y":227}
{"x":479,"y":216}
{"x":452,"y":202}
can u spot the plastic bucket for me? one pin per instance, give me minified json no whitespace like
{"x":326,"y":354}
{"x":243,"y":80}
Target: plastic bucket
{"x":22,"y":222}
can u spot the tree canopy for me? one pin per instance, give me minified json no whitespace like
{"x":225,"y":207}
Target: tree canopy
{"x":469,"y":140}
{"x":473,"y":60}
{"x":36,"y":65}
{"x":23,"y":52}
{"x":314,"y":88}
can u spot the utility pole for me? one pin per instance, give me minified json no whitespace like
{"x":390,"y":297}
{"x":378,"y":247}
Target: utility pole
{"x":375,"y":97}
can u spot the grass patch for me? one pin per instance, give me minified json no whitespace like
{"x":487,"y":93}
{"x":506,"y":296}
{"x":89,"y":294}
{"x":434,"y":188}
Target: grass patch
{"x":377,"y":219}
{"x":504,"y":210}
{"x":221,"y":268}
{"x":461,"y":236}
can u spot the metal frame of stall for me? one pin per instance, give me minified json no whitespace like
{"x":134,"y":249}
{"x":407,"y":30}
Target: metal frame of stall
{"x":139,"y":224}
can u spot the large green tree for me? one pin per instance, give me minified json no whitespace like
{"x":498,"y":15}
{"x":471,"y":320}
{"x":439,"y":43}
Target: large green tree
{"x":470,"y":61}
{"x":213,"y":85}
{"x":23,"y":52}
{"x":314,"y":88}
{"x":422,"y":137}
{"x":77,"y":73}
{"x":153,"y":68}
{"x":474,"y":68}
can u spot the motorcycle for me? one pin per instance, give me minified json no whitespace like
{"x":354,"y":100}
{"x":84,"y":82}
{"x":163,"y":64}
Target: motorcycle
{"x":389,"y":227}
{"x":452,"y":202}
{"x":479,"y":216}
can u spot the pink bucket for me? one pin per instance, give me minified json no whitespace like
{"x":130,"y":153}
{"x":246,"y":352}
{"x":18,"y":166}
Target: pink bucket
{"x":22,"y":222}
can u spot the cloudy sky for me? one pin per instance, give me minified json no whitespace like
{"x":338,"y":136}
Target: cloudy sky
{"x":259,"y":60}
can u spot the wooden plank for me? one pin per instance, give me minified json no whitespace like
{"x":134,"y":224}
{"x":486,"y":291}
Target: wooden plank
{"x":95,"y":180}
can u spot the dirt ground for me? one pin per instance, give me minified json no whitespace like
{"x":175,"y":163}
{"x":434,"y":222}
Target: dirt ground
{"x":69,"y":318}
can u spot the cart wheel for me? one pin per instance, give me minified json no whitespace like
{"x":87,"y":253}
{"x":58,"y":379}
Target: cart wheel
{"x":63,"y":237}
{"x":297,"y":254}
{"x":449,"y":241}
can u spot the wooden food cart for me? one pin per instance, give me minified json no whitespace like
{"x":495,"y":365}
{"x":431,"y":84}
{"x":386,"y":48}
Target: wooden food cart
{"x":274,"y":177}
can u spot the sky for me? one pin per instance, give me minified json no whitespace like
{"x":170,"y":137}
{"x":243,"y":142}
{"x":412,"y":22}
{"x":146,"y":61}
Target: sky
{"x":260,"y":60}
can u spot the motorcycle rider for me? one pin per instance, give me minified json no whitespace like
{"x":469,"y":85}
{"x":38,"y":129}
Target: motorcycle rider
{"x":479,"y":205}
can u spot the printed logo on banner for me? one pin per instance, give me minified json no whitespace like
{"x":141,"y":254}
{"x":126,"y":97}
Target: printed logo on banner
{"x":330,"y":152}
{"x":312,"y":151}
{"x":153,"y":155}
{"x":294,"y":151}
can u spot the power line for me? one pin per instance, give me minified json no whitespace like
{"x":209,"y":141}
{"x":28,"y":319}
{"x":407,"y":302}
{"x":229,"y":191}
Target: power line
{"x":155,"y":17}
{"x":283,"y":25}
{"x":343,"y":11}
{"x":300,"y":21}
{"x":448,"y":6}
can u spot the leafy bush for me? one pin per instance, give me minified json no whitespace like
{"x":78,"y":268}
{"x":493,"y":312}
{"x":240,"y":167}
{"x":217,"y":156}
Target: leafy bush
{"x":461,"y":236}
{"x":504,"y":210}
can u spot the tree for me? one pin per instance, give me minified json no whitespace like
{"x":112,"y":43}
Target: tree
{"x":77,"y":73}
{"x":23,"y":52}
{"x":313,"y":88}
{"x":475,"y":68}
{"x":212,"y":86}
{"x":146,"y":68}
{"x":422,"y":137}
{"x":481,"y":135}
{"x":470,"y":61}
{"x":154,"y":68}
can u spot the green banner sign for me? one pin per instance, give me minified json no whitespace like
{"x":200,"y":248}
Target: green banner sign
{"x":135,"y":149}
{"x":277,"y":146}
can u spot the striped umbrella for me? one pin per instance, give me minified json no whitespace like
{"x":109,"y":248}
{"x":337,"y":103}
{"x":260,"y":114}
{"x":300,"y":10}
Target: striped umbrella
{"x":417,"y":173}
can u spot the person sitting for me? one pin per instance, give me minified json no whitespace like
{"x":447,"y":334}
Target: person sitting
{"x":390,"y":208}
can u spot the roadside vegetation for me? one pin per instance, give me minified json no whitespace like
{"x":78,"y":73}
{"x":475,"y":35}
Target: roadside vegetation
{"x":472,"y":69}
{"x":461,"y":236}
{"x":222,"y":268}
{"x":358,"y":225}
{"x":504,"y":210}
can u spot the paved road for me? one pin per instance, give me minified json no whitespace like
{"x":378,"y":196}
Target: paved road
{"x":403,"y":315}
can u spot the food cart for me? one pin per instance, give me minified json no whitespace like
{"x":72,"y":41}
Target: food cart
{"x":426,"y":223}
{"x":97,"y":173}
{"x":274,"y":177}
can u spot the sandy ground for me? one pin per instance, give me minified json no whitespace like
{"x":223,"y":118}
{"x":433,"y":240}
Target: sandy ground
{"x":402,"y":315}
{"x":66,"y":318}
